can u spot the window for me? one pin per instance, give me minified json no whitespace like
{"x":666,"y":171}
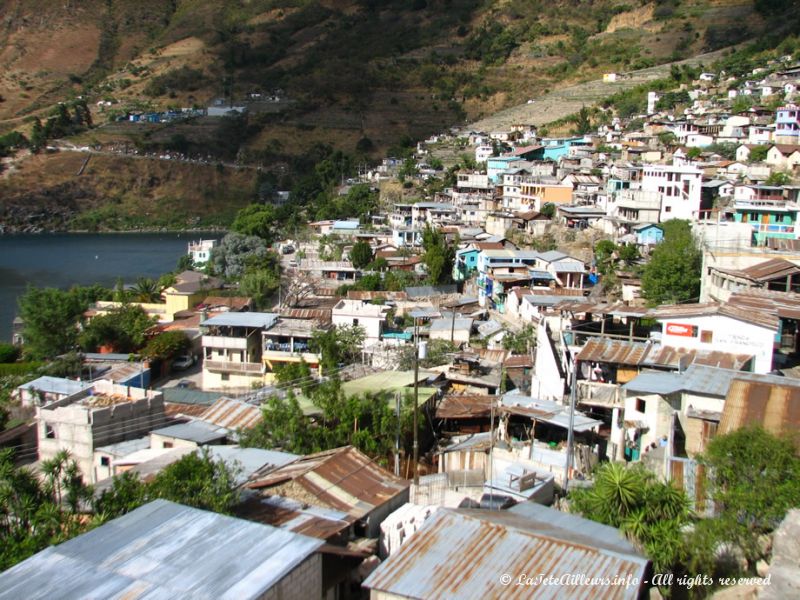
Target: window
{"x":355,"y":322}
{"x":667,"y":209}
{"x":49,"y":432}
{"x":166,"y":444}
{"x":105,"y":461}
{"x":225,"y":377}
{"x":641,"y":405}
{"x":706,"y":337}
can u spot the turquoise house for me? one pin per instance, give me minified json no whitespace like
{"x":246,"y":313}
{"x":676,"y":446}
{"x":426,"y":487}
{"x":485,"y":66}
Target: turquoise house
{"x":465,"y":264}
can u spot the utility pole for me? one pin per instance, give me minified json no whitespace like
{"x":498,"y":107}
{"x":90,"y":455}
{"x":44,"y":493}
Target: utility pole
{"x":397,"y":437}
{"x":570,"y":433}
{"x":491,"y":455}
{"x":416,"y":402}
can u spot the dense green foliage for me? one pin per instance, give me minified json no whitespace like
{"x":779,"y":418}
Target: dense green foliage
{"x":361,"y":254}
{"x":236,"y":253}
{"x":51,"y":318}
{"x":8,"y":352}
{"x":632,"y":499}
{"x":338,"y":346}
{"x":34,"y":512}
{"x":256,"y":220}
{"x":673,"y":273}
{"x":369,"y":423}
{"x":755,"y":481}
{"x":195,"y":480}
{"x":166,"y":345}
{"x":520,"y":342}
{"x":438,"y":256}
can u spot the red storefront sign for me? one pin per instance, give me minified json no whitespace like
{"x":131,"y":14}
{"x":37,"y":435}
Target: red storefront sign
{"x":681,"y":330}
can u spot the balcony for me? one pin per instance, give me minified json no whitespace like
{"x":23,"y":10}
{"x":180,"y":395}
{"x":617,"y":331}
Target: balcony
{"x":225,"y":342}
{"x":638,"y":200}
{"x":278,"y":356}
{"x":223,"y":366}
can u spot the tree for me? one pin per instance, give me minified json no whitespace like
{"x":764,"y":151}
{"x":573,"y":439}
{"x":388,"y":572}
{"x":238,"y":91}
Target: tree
{"x":197,"y":480}
{"x":283,"y":426}
{"x":548,"y":210}
{"x":361,"y":254}
{"x":673,"y":273}
{"x":667,"y":138}
{"x":778,"y":178}
{"x":36,"y":513}
{"x":122,"y":328}
{"x":338,"y":345}
{"x":520,"y":342}
{"x":50,"y":321}
{"x":758,"y":154}
{"x":147,"y":290}
{"x":367,"y":422}
{"x":256,"y":220}
{"x":632,"y":499}
{"x":167,"y":345}
{"x":583,"y":121}
{"x":755,"y":480}
{"x":438,"y":256}
{"x":439,"y":352}
{"x":260,"y":285}
{"x":296,"y":286}
{"x":236,"y":253}
{"x":9,"y":353}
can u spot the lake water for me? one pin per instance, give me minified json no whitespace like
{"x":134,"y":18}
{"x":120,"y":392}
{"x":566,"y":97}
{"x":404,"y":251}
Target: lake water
{"x":65,"y":259}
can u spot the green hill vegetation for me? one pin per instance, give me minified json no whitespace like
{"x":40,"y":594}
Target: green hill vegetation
{"x":365,"y":77}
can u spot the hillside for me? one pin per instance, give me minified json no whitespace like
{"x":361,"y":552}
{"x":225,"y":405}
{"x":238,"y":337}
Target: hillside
{"x":362,"y":76}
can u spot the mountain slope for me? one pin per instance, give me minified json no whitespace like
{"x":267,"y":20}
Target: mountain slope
{"x":362,"y":76}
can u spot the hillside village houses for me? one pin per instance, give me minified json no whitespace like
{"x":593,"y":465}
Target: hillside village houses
{"x":651,"y":385}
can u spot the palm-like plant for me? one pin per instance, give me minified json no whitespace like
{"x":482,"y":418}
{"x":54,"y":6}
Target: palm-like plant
{"x":146,"y":290}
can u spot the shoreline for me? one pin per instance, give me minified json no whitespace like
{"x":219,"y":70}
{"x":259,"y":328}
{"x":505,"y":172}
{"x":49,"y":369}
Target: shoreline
{"x":213,"y":230}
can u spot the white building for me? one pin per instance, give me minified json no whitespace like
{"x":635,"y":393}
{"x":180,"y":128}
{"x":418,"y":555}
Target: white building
{"x":678,"y":187}
{"x":200,"y":251}
{"x":232,"y":349}
{"x":483,"y":152}
{"x":720,"y":328}
{"x":370,"y":317}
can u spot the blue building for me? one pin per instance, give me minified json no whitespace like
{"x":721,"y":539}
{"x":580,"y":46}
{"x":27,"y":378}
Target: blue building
{"x":465,"y":264}
{"x":648,"y":234}
{"x":497,"y":165}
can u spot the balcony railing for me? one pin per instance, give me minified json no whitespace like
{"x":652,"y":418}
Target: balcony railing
{"x":220,"y":341}
{"x":224,"y":366}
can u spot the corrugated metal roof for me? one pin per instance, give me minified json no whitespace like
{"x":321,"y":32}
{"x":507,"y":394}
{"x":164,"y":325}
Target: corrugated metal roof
{"x":773,"y":406}
{"x":623,"y":352}
{"x":55,"y":385}
{"x":241,"y":319}
{"x":546,"y":411}
{"x":247,"y":461}
{"x":771,"y":269}
{"x":162,"y":550}
{"x":344,"y":479}
{"x":285,"y":513}
{"x":194,"y":431}
{"x":463,"y":554}
{"x":614,"y":351}
{"x":232,"y":414}
{"x":466,"y":406}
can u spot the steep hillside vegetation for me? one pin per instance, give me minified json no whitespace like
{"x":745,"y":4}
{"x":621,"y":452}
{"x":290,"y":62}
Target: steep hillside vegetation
{"x":362,"y":76}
